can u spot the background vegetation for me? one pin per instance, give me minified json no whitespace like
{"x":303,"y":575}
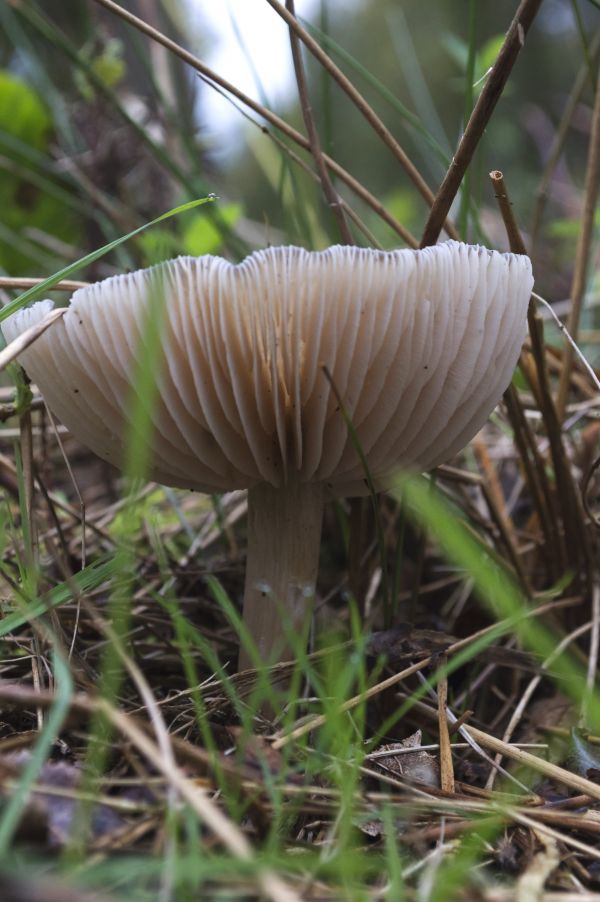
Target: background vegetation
{"x":134,"y":762}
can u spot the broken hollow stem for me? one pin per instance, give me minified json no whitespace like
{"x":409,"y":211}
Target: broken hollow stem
{"x":284,"y":536}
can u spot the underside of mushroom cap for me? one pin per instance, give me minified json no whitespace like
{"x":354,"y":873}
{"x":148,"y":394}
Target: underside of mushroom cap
{"x":418,"y":344}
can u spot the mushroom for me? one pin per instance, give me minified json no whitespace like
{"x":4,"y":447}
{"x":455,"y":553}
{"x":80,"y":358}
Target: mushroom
{"x":256,"y":357}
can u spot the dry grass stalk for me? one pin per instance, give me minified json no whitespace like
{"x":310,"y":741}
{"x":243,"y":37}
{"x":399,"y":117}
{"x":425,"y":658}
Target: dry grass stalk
{"x":262,"y":111}
{"x":446,"y":765}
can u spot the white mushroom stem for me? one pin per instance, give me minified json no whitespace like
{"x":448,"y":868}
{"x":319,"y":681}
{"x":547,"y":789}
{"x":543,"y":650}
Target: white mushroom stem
{"x":284,"y":536}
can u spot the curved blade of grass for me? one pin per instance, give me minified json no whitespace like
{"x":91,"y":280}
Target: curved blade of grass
{"x":15,"y":806}
{"x":33,"y":294}
{"x":83,"y":581}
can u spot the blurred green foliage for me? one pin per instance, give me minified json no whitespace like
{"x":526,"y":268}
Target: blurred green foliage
{"x":107,"y":64}
{"x":132,"y":120}
{"x":27,"y":203}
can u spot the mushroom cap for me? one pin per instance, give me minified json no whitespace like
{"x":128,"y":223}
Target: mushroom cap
{"x":419,"y":345}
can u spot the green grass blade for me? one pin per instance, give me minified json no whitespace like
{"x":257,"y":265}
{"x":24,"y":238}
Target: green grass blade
{"x":33,"y":294}
{"x":83,"y":581}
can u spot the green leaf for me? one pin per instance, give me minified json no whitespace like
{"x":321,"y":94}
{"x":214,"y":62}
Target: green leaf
{"x":488,"y":54}
{"x":158,"y":245}
{"x":201,"y":236}
{"x":22,"y":113}
{"x":27,"y":199}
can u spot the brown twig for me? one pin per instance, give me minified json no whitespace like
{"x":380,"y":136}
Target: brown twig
{"x":506,"y":531}
{"x":513,"y":233}
{"x":575,"y":538}
{"x":331,"y":195}
{"x":207,"y":73}
{"x":482,"y":111}
{"x":446,"y":765}
{"x":530,"y":689}
{"x":582,"y":254}
{"x":537,"y":481}
{"x":552,"y":771}
{"x":65,"y":285}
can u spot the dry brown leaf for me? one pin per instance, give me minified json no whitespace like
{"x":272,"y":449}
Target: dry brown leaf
{"x":416,"y":766}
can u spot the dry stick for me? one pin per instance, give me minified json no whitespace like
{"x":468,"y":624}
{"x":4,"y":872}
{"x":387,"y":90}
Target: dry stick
{"x":544,"y":497}
{"x":575,"y":536}
{"x":479,"y":118}
{"x":452,"y":720}
{"x":526,"y":696}
{"x":552,"y":771}
{"x":197,"y":798}
{"x":494,"y":498}
{"x":574,"y":533}
{"x":556,"y":148}
{"x":584,"y":493}
{"x":446,"y":765}
{"x":582,"y":254}
{"x":513,"y":233}
{"x":491,"y":480}
{"x":154,"y":712}
{"x":555,"y":835}
{"x":65,"y":285}
{"x":537,"y":481}
{"x":262,"y":111}
{"x":331,"y":195}
{"x":361,"y":104}
{"x":138,"y":679}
